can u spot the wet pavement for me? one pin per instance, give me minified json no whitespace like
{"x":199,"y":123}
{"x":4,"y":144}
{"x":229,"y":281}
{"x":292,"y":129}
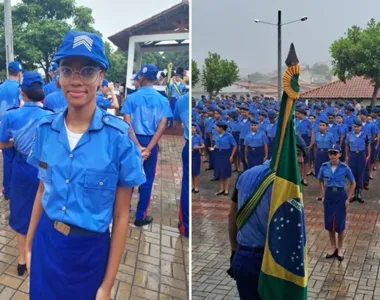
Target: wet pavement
{"x":356,"y":277}
{"x":155,"y":261}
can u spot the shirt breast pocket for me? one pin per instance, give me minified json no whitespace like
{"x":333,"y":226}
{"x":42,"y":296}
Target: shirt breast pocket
{"x":99,"y":189}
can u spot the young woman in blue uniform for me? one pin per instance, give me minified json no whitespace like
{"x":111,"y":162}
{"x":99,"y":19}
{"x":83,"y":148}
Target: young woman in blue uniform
{"x":256,"y":146}
{"x":271,"y":131}
{"x":357,"y":145}
{"x":209,"y":123}
{"x":332,"y":180}
{"x":342,"y":133}
{"x":244,"y":130}
{"x":311,"y":150}
{"x":224,"y":151}
{"x":323,"y":141}
{"x":197,"y":146}
{"x":88,"y":164}
{"x":234,"y":127}
{"x":18,"y":129}
{"x":263,"y":121}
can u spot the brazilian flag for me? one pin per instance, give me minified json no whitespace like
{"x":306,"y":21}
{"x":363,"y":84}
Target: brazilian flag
{"x":284,"y":268}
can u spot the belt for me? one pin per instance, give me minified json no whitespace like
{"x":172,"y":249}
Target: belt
{"x":22,"y":156}
{"x":252,"y":148}
{"x":144,"y":135}
{"x":322,"y":149}
{"x":334,"y":188}
{"x":67,"y":229}
{"x":251,"y":249}
{"x":357,"y":151}
{"x":218,"y":149}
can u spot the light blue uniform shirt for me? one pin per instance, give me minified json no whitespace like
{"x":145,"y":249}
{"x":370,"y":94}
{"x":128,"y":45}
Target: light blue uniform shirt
{"x":102,"y":101}
{"x":334,"y":130}
{"x":271,"y":130}
{"x":20,"y":124}
{"x":357,"y":143}
{"x":173,"y":91}
{"x":253,"y":233}
{"x":196,"y":140}
{"x":257,"y":139}
{"x":181,"y":113}
{"x":342,"y":130}
{"x":9,"y":96}
{"x":224,"y":141}
{"x":80,"y":184}
{"x":370,"y":129}
{"x":245,"y":128}
{"x":303,"y":127}
{"x":325,"y":141}
{"x":146,"y":107}
{"x":234,"y":126}
{"x":56,"y":101}
{"x":263,"y":125}
{"x":337,"y":178}
{"x":50,"y":87}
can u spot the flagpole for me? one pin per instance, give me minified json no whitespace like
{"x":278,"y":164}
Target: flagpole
{"x":279,"y":75}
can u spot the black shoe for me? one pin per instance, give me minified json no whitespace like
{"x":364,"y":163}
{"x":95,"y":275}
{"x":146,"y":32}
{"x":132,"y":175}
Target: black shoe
{"x":6,"y":198}
{"x":366,"y":187}
{"x":226,"y":194}
{"x":146,"y":221}
{"x":311,"y":173}
{"x":332,"y":255}
{"x":319,"y":199}
{"x":353,"y":198}
{"x":340,"y":258}
{"x":192,"y":190}
{"x":196,"y":191}
{"x":21,"y":269}
{"x":370,"y":177}
{"x":219,"y":193}
{"x":208,"y":169}
{"x":359,"y":197}
{"x":304,"y":183}
{"x":214,"y":179}
{"x":235,"y":171}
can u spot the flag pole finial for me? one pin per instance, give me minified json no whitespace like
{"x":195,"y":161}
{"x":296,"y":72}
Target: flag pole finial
{"x":292,"y":58}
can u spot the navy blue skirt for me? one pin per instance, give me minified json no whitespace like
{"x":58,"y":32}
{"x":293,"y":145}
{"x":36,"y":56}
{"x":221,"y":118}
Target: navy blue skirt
{"x":270,"y":147}
{"x":66,"y":267}
{"x":24,"y":183}
{"x":237,"y":140}
{"x":255,"y":156}
{"x":195,"y":162}
{"x":335,"y":210}
{"x":306,"y":138}
{"x":222,"y":165}
{"x":321,"y":156}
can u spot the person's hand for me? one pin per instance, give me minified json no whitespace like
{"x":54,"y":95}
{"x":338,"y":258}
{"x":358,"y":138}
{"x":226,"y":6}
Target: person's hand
{"x":309,"y":147}
{"x":28,"y":259}
{"x":230,"y":271}
{"x":367,"y":159}
{"x":347,"y":204}
{"x":265,"y":158}
{"x":111,"y":87}
{"x":145,"y":154}
{"x":231,"y":159}
{"x":246,"y":159}
{"x":103,"y":294}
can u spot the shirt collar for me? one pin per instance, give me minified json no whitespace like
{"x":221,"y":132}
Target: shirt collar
{"x":30,"y":104}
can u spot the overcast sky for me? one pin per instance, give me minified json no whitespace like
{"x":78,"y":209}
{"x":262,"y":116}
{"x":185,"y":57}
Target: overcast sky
{"x":112,"y":16}
{"x":228,"y":28}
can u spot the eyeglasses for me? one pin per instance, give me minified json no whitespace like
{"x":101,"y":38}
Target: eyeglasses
{"x":333,"y":153}
{"x":88,"y":74}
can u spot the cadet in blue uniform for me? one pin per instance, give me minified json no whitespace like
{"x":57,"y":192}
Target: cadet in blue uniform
{"x":323,"y":141}
{"x":181,"y":114}
{"x":256,"y":146}
{"x":225,"y":147}
{"x":209,"y":124}
{"x":197,"y":144}
{"x":176,"y":90}
{"x":234,"y":127}
{"x":245,"y":124}
{"x":358,"y":144}
{"x":349,"y":116}
{"x":147,"y":111}
{"x":20,"y":126}
{"x":9,"y":98}
{"x":332,"y":179}
{"x":247,"y":244}
{"x":51,"y":86}
{"x":311,"y":150}
{"x":88,"y":165}
{"x":271,"y":132}
{"x":342,"y":132}
{"x":101,"y":97}
{"x":263,"y":120}
{"x":56,"y":101}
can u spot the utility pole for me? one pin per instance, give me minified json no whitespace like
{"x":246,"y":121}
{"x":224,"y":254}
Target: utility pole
{"x":8,"y":32}
{"x":279,"y":71}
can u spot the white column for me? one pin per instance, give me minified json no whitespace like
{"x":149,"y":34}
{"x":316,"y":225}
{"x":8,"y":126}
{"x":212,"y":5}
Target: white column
{"x":138,"y":57}
{"x":131,"y":59}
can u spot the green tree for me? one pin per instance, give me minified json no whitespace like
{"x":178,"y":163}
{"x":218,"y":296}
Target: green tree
{"x":358,"y":54}
{"x":218,"y":73}
{"x":38,"y":29}
{"x":162,"y":59}
{"x":195,"y":73}
{"x":118,"y":66}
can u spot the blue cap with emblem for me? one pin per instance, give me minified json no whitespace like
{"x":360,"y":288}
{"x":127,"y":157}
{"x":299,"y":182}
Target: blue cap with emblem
{"x":14,"y":67}
{"x":82,"y":44}
{"x":363,"y":112}
{"x":254,"y":121}
{"x":105,"y":82}
{"x":335,"y":148}
{"x":31,"y":81}
{"x":357,"y":122}
{"x":53,"y":67}
{"x":149,"y":71}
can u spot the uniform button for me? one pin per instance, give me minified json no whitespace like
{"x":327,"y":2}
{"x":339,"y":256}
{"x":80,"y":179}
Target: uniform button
{"x":101,"y":183}
{"x":106,"y":119}
{"x":67,"y":181}
{"x":71,"y":155}
{"x":63,"y":207}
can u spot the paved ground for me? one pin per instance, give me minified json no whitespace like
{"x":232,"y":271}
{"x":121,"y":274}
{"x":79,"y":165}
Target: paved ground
{"x":356,"y":277}
{"x":155,"y":264}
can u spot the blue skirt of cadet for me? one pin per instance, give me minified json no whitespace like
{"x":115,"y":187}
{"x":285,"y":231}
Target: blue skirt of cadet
{"x":321,"y":156}
{"x":335,"y":209}
{"x":270,"y":147}
{"x":255,"y":156}
{"x":222,"y":165}
{"x":373,"y":152}
{"x":24,"y":183}
{"x":66,"y":267}
{"x":195,"y":162}
{"x":237,"y":140}
{"x":306,"y":138}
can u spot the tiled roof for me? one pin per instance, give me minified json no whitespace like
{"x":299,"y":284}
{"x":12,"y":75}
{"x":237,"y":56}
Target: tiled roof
{"x":355,"y":88}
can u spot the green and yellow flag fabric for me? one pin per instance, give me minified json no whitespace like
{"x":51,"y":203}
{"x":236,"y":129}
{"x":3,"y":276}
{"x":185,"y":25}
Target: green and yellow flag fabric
{"x":284,"y":268}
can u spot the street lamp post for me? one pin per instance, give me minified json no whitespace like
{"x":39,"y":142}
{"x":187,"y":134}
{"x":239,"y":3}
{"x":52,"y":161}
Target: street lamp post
{"x":279,"y":43}
{"x":8,"y":32}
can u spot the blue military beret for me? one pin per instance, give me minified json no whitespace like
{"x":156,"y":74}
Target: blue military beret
{"x":219,"y":111}
{"x":301,"y":110}
{"x":363,"y":112}
{"x":349,"y":107}
{"x":272,"y":115}
{"x":324,"y":119}
{"x":15,"y":66}
{"x":254,"y":121}
{"x":339,"y":114}
{"x":205,"y":110}
{"x":82,"y":44}
{"x":222,"y":124}
{"x":244,"y":108}
{"x":28,"y":79}
{"x":375,"y":110}
{"x":300,"y":143}
{"x":53,"y":67}
{"x":252,"y":111}
{"x":263,"y":113}
{"x":312,"y":115}
{"x":335,"y":148}
{"x":331,"y":113}
{"x":105,"y":82}
{"x":194,"y":124}
{"x":318,"y":107}
{"x":358,"y":122}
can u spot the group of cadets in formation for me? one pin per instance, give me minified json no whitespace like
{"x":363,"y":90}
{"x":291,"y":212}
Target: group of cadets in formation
{"x":241,"y":132}
{"x":59,"y":188}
